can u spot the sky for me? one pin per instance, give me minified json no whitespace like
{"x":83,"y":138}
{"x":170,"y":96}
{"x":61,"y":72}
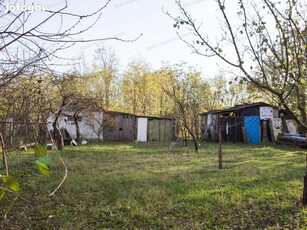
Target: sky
{"x":159,"y":42}
{"x":128,"y":19}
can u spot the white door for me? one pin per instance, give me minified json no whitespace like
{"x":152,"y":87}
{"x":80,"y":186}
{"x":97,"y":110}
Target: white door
{"x":142,"y":129}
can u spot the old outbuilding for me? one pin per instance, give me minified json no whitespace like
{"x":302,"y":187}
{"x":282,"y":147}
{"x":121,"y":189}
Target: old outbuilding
{"x":120,"y":126}
{"x":90,"y":124}
{"x":155,"y":129}
{"x":116,"y":126}
{"x":252,"y":123}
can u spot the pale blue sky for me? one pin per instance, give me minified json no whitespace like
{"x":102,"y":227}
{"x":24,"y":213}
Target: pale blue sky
{"x":159,"y":42}
{"x":127,"y":19}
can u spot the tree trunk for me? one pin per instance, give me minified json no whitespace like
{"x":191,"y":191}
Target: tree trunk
{"x":57,"y":135}
{"x":59,"y":141}
{"x":4,"y":159}
{"x":193,"y":137}
{"x":78,"y":134}
{"x":195,"y":143}
{"x":184,"y":137}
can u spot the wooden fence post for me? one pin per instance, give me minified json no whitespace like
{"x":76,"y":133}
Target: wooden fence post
{"x":220,"y":155}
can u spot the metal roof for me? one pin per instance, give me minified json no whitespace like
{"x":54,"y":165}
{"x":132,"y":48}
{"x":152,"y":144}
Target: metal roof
{"x":237,"y":108}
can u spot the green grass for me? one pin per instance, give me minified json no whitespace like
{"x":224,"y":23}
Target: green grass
{"x":156,"y":186}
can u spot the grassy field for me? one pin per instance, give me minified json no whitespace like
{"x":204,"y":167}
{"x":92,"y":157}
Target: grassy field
{"x":158,"y":186}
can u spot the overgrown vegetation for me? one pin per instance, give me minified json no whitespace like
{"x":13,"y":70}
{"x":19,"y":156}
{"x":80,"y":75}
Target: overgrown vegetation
{"x":266,"y":43}
{"x":158,"y":186}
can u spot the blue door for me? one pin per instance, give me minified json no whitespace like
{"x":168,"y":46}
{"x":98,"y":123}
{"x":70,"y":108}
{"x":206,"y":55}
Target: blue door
{"x":252,"y":125}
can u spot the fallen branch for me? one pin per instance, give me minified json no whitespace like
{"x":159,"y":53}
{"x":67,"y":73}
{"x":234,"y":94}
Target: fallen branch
{"x":25,"y":146}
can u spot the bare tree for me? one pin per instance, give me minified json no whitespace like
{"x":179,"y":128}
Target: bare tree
{"x":189,"y":93}
{"x":88,"y":108}
{"x":27,"y":42}
{"x":106,"y":72}
{"x":268,"y":46}
{"x":66,"y":98}
{"x":29,"y":46}
{"x":95,"y":121}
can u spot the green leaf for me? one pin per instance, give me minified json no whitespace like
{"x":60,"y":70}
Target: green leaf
{"x":303,"y":81}
{"x":40,"y":150}
{"x":2,"y":192}
{"x":42,"y":168}
{"x":11,"y":183}
{"x":219,"y":50}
